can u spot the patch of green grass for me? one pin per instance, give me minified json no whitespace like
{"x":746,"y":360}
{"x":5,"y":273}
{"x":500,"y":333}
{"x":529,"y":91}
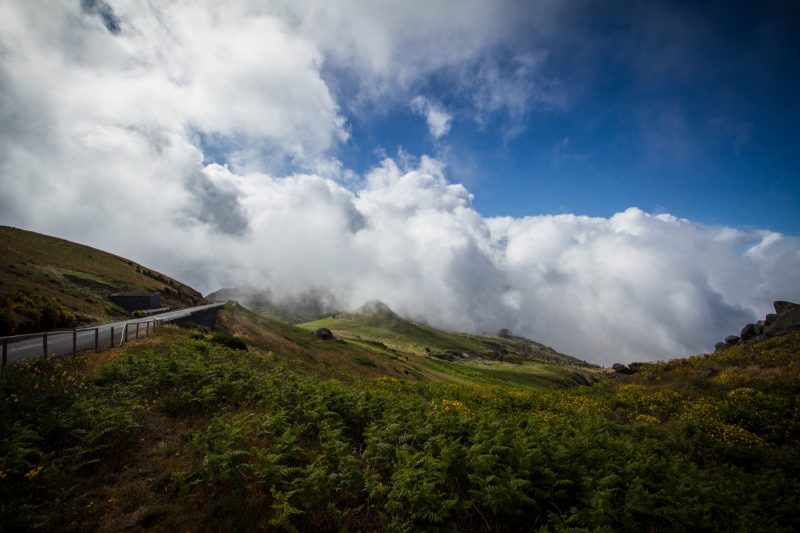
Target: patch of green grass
{"x":366,"y":361}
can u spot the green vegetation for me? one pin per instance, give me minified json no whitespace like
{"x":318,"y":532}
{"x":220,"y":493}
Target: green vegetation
{"x":229,"y":340}
{"x":179,"y":433}
{"x":47,"y":282}
{"x":385,"y":328}
{"x":21,"y":313}
{"x":399,"y":353}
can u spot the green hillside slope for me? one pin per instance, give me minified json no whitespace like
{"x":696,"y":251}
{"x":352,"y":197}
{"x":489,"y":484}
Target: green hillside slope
{"x":376,"y":322}
{"x":457,"y":357}
{"x":47,"y":282}
{"x":359,"y":356}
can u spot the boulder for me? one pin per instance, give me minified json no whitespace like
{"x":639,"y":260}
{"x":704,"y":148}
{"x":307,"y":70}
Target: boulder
{"x":785,"y":322}
{"x":730,"y":340}
{"x":619,"y":368}
{"x":720,"y":347}
{"x":759,"y":327}
{"x":324,"y":334}
{"x":770,"y":318}
{"x":782,"y":306}
{"x":748,"y":332}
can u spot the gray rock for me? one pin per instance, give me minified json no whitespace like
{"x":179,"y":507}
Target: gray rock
{"x":759,"y":327}
{"x":770,"y":318}
{"x":784,"y":323}
{"x":720,"y":347}
{"x":619,"y":368}
{"x":730,"y":340}
{"x":782,"y":306}
{"x":748,"y":332}
{"x":324,"y":334}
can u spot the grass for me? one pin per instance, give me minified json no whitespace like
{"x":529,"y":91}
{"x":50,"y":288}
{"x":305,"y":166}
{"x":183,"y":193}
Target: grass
{"x":181,"y":433}
{"x":390,"y":350}
{"x":408,"y":336}
{"x":437,"y":355}
{"x":38,"y":268}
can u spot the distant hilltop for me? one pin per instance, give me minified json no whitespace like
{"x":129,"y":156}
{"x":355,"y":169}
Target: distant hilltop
{"x":375,"y":308}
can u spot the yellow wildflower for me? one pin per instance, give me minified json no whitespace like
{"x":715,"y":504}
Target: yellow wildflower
{"x":33,"y":472}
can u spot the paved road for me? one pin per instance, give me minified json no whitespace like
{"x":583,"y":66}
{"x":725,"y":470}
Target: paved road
{"x":61,"y":342}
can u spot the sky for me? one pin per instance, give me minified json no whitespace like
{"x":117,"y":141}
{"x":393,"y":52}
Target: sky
{"x":618,"y":180}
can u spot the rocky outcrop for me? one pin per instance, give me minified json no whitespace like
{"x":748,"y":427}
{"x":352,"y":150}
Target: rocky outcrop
{"x":785,"y":319}
{"x":788,"y":319}
{"x":619,"y":368}
{"x":626,"y":370}
{"x":731,"y":340}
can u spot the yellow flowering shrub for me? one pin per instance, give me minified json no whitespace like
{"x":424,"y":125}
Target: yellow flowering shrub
{"x":731,"y":376}
{"x":736,"y":435}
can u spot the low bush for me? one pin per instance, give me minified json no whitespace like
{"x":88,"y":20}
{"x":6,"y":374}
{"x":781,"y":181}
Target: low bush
{"x":230,"y":341}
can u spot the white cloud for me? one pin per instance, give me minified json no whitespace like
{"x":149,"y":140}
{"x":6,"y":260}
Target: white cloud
{"x":107,"y":139}
{"x":437,"y":118}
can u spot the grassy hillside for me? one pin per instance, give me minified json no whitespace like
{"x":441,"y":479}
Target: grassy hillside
{"x":458,"y":358}
{"x":48,"y":282}
{"x":181,"y":433}
{"x":376,"y":322}
{"x":359,"y":356}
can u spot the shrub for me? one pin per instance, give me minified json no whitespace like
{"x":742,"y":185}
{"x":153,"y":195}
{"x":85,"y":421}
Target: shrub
{"x":230,"y":341}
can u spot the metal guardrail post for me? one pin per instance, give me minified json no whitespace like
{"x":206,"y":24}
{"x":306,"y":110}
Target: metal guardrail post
{"x":112,"y":336}
{"x":5,"y":352}
{"x":44,"y":345}
{"x":137,"y":330}
{"x":96,"y":339}
{"x":74,"y":342}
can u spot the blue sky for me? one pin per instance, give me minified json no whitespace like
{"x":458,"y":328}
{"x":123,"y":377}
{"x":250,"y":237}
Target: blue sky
{"x":681,"y":107}
{"x":616,"y":179}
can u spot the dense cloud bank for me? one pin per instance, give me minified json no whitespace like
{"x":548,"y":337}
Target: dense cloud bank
{"x":113,"y":115}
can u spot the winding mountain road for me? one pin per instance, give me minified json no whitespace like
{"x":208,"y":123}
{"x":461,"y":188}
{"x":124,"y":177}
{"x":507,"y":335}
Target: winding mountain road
{"x":100,"y":336}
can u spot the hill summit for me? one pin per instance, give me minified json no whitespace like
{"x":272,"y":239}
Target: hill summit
{"x":376,"y":308}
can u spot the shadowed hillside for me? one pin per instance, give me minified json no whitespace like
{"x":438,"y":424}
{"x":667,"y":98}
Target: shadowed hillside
{"x":46,"y":282}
